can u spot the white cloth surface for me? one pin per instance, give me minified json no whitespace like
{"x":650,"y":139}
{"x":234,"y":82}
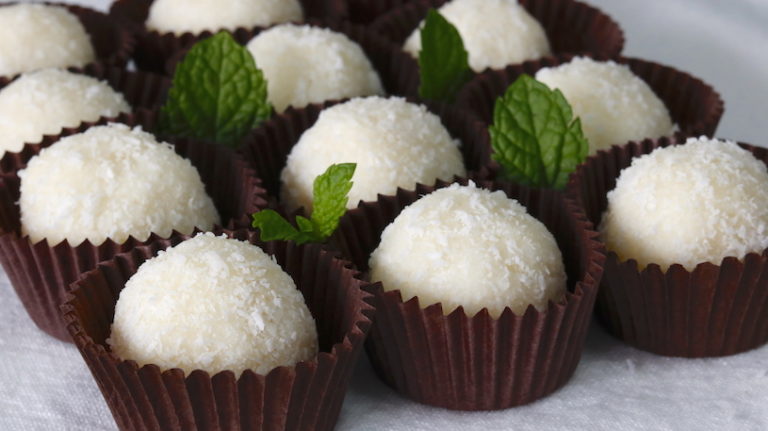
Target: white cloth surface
{"x":44,"y":384}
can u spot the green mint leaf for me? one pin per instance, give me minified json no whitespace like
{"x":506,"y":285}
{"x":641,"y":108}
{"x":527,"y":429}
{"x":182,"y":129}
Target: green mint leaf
{"x":330,"y":203}
{"x":330,"y":198}
{"x":273,"y":226}
{"x":218,"y":94}
{"x":534,"y":136}
{"x":443,"y":61}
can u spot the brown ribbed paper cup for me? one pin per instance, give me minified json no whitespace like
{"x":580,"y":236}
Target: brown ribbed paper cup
{"x":570,"y":26}
{"x":367,"y":11}
{"x":477,"y":362}
{"x":714,"y":310}
{"x":40,"y":273}
{"x":302,"y":397}
{"x":694,"y":105}
{"x":112,"y":42}
{"x":266,"y":149}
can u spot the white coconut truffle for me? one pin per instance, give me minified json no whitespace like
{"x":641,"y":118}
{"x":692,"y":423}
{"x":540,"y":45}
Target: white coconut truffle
{"x":496,"y":33}
{"x":614,"y":105}
{"x":44,"y":102}
{"x":35,"y":36}
{"x":214,"y":304}
{"x":305,"y":64}
{"x":111,"y":182}
{"x":466,"y":246}
{"x":197,"y":16}
{"x":394,"y":143}
{"x":688,"y":204}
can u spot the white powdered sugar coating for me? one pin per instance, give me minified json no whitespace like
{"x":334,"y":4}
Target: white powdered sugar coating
{"x":197,"y":16}
{"x":305,"y":64}
{"x":111,"y":182}
{"x":466,"y":246}
{"x":44,"y":102}
{"x":394,"y":143}
{"x":35,"y":36}
{"x":614,"y":105}
{"x":496,"y":33}
{"x":688,"y":204}
{"x":214,"y":304}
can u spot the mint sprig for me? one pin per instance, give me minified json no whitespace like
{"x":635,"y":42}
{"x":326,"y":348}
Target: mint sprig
{"x":443,"y":60}
{"x":329,"y":202}
{"x":218,"y":94}
{"x":534,"y":136}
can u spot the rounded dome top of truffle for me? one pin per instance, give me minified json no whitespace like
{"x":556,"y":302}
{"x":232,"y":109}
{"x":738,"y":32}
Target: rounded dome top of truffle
{"x":305,"y":64}
{"x":466,"y":246}
{"x":44,"y":102}
{"x":687,"y":204}
{"x":394,"y":143}
{"x":614,"y":105}
{"x":111,"y":182}
{"x":214,"y":304}
{"x":496,"y":33}
{"x":36,"y":36}
{"x":197,"y":16}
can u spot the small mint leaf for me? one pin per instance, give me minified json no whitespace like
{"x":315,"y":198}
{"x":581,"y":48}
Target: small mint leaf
{"x":534,"y":136}
{"x":273,"y":226}
{"x":330,"y":198}
{"x":443,"y":60}
{"x":218,"y":94}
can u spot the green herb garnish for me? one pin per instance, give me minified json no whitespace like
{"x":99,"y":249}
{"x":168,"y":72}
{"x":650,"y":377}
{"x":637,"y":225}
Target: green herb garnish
{"x":218,"y":93}
{"x":443,"y":61}
{"x":534,"y":135}
{"x":329,"y":204}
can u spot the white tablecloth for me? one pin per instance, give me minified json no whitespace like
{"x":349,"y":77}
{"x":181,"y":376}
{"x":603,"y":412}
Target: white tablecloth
{"x":44,"y":384}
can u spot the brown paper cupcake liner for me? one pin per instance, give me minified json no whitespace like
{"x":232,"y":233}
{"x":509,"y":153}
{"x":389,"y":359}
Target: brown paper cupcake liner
{"x":40,"y":273}
{"x":693,"y":104}
{"x":367,"y":11}
{"x":571,"y":26}
{"x":266,"y":149}
{"x":305,"y":396}
{"x":477,"y":362}
{"x":112,"y":41}
{"x":714,"y":310}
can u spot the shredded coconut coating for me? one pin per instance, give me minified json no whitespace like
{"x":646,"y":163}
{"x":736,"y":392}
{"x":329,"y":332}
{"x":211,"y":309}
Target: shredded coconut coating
{"x":394,"y":143}
{"x":44,"y":102}
{"x":35,"y":36}
{"x":496,"y":33}
{"x":688,"y":204}
{"x":111,"y":182}
{"x":214,"y":304}
{"x":304,"y":64}
{"x":614,"y":105}
{"x":197,"y":16}
{"x":466,"y":246}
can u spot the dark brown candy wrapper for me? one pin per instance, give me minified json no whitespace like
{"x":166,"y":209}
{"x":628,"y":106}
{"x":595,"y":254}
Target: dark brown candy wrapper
{"x":40,"y":274}
{"x":571,"y":26}
{"x":266,"y":149}
{"x":714,"y":310}
{"x":478,"y":362}
{"x":306,"y":396}
{"x":112,"y":41}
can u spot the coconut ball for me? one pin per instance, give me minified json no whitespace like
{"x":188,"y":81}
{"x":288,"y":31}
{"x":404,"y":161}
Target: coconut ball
{"x":215,"y":304}
{"x":688,"y":204}
{"x":614,"y":105}
{"x":466,"y":246}
{"x":43,"y":102}
{"x":36,"y":36}
{"x":304,"y":64}
{"x":394,"y":143}
{"x":111,"y":182}
{"x":197,"y":16}
{"x":496,"y":33}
